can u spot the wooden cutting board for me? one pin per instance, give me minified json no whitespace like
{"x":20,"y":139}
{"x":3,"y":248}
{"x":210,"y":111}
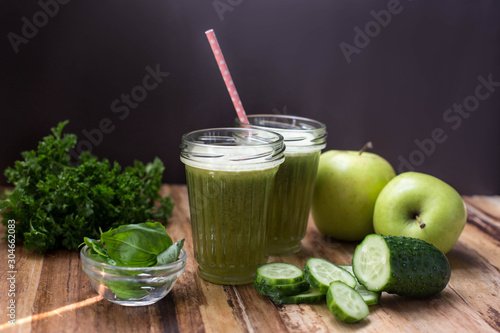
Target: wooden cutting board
{"x":52,"y":294}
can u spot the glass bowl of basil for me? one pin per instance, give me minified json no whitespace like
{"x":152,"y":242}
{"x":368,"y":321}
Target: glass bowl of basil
{"x":133,"y":265}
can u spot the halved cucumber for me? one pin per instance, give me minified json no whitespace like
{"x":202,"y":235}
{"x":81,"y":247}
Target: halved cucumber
{"x":345,"y":303}
{"x":280,"y":290}
{"x":308,"y":297}
{"x":370,"y":297}
{"x":400,"y":265}
{"x":320,"y":273}
{"x":279,"y":273}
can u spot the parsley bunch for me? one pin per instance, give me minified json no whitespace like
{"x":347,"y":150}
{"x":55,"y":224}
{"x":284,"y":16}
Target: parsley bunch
{"x":57,"y":202}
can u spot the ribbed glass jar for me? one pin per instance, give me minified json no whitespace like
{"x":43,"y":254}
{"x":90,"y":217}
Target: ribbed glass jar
{"x":292,"y":193}
{"x":230,"y":173}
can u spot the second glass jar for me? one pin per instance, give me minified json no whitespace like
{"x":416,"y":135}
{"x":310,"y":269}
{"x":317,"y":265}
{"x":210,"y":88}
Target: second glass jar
{"x":291,"y":197}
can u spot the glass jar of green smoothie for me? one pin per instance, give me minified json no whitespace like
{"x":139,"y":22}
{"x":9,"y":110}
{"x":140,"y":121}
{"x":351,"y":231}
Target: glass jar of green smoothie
{"x":230,"y":173}
{"x":293,"y":188}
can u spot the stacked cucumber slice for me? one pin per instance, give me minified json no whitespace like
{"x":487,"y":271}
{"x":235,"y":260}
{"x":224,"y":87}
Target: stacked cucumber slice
{"x":401,"y":265}
{"x":309,"y":296}
{"x":285,"y":284}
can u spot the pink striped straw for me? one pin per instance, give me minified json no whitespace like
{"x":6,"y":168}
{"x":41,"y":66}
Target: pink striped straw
{"x":231,"y":88}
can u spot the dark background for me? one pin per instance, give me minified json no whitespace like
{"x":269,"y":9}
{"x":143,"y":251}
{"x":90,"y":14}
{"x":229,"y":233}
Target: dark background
{"x":284,"y":56}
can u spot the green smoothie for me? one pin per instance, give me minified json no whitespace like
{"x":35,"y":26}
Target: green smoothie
{"x":292,"y":194}
{"x":228,"y":218}
{"x":290,"y":203}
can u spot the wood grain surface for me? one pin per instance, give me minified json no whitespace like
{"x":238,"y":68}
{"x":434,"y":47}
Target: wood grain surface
{"x":54,"y":295}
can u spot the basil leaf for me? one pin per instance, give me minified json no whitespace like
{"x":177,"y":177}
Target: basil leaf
{"x":97,"y":257}
{"x":136,"y":245}
{"x":171,"y":254}
{"x":97,"y":251}
{"x":96,"y":246}
{"x":127,"y":290}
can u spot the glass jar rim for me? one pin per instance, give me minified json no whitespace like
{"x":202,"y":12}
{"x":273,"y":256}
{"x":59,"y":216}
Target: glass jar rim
{"x":232,"y":149}
{"x":307,"y":135}
{"x":308,"y":124}
{"x":276,"y":138}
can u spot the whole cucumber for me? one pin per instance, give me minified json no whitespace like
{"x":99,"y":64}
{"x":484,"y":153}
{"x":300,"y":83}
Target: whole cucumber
{"x":400,"y":265}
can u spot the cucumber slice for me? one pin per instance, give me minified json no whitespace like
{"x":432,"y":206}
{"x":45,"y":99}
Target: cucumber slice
{"x":370,"y":297}
{"x":345,"y":303}
{"x":310,"y":296}
{"x":281,"y":290}
{"x":400,"y":265}
{"x":320,"y":273}
{"x":279,"y":273}
{"x":347,"y":268}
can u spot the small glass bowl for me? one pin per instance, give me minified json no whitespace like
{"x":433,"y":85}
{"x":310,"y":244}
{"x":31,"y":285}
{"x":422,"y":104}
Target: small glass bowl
{"x":132,"y":286}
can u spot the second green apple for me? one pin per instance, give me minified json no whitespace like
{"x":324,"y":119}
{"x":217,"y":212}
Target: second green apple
{"x":347,"y":186}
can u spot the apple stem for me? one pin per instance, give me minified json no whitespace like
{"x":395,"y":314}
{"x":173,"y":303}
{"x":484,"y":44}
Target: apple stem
{"x":422,"y":224}
{"x":367,"y":145}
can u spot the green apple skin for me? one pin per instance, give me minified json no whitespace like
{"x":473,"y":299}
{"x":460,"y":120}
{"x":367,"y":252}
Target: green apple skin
{"x":438,"y":205}
{"x":347,"y":186}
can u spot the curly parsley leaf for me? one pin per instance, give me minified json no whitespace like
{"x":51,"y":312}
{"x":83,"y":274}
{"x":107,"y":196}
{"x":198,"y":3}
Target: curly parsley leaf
{"x":56,"y":201}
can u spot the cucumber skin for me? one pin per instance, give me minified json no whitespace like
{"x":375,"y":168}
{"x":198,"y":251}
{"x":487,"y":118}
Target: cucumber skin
{"x":281,"y":290}
{"x":289,"y":300}
{"x":418,"y":269}
{"x":293,"y":299}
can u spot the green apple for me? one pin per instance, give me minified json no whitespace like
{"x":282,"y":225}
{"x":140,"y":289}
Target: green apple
{"x":347,"y":186}
{"x":421,"y":206}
